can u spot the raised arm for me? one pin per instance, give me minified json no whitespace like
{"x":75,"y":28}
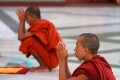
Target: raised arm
{"x":62,"y":53}
{"x":22,"y":34}
{"x":64,"y":72}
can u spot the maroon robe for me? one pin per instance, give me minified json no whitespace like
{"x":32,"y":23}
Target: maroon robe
{"x":96,"y":69}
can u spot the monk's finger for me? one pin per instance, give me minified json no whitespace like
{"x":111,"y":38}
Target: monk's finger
{"x":61,"y":48}
{"x":59,"y":45}
{"x":17,"y":11}
{"x":20,"y":11}
{"x":63,"y":44}
{"x":58,"y":48}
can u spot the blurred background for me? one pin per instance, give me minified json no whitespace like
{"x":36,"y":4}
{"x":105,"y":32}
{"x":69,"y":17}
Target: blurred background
{"x":71,"y":18}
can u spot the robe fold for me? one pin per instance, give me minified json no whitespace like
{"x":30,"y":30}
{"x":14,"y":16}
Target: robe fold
{"x":96,"y":69}
{"x":44,"y":42}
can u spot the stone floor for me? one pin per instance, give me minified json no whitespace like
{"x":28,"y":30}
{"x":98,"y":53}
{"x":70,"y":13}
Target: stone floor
{"x":70,"y":22}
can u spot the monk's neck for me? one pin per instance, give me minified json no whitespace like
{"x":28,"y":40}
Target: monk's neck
{"x":89,"y":57}
{"x":36,"y":20}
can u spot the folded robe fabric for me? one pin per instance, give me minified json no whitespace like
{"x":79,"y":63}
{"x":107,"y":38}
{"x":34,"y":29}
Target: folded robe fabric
{"x":13,"y":70}
{"x":44,"y":42}
{"x":96,"y":69}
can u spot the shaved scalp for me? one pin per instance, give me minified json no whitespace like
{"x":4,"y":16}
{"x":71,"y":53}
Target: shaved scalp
{"x":34,"y":10}
{"x":90,"y":41}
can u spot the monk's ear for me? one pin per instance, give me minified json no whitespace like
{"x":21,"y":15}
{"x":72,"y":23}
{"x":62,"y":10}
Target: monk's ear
{"x":34,"y":17}
{"x":87,"y":50}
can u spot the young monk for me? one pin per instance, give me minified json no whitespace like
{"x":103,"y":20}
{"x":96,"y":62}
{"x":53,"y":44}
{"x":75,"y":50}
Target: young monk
{"x":40,"y":40}
{"x":94,"y":67}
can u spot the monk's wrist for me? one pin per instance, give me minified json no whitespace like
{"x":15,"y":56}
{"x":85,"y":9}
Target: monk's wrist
{"x":63,"y":61}
{"x":22,"y":23}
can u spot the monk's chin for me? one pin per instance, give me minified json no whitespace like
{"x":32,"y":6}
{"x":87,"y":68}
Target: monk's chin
{"x":80,"y":59}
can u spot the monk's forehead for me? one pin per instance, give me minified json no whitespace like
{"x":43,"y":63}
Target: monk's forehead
{"x":79,"y":39}
{"x":27,"y":13}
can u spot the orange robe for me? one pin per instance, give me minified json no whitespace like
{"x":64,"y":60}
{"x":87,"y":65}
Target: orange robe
{"x":96,"y":69}
{"x":44,"y":42}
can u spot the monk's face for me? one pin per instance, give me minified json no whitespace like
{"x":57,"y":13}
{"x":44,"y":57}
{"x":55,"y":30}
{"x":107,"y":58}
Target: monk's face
{"x":30,"y":18}
{"x":79,"y":50}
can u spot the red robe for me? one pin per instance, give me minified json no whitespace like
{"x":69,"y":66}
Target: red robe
{"x":96,"y":69}
{"x":44,"y":42}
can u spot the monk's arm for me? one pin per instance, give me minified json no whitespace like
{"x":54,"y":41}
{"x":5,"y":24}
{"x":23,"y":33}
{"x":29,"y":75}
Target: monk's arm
{"x":79,"y":77}
{"x":21,"y":30}
{"x":22,"y":34}
{"x":64,"y":72}
{"x":62,"y":54}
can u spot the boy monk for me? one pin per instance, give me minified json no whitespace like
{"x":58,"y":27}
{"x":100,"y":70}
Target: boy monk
{"x":94,"y":67}
{"x":40,"y":40}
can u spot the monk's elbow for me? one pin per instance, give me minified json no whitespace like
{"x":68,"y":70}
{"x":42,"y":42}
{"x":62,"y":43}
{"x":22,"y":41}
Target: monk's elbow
{"x":20,"y":38}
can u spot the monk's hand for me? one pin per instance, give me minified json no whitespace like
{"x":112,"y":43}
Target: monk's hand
{"x":21,"y":14}
{"x":62,"y":52}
